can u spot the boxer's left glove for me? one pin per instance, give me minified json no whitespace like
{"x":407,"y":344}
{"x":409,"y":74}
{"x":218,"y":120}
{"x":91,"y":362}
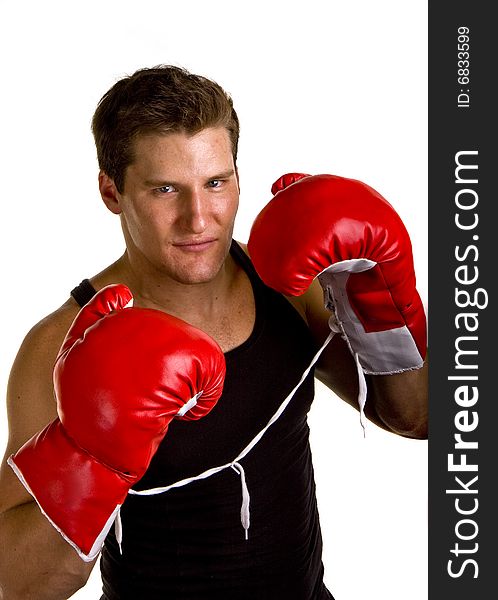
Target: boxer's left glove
{"x":347,"y":235}
{"x":121,"y":376}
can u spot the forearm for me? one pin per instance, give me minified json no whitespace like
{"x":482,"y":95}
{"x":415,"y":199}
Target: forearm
{"x":35,"y":561}
{"x":396,"y":403}
{"x":400,"y":402}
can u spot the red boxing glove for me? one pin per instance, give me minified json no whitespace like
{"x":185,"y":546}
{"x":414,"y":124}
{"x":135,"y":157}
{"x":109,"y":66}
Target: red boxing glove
{"x":346,"y":234}
{"x":121,"y":376}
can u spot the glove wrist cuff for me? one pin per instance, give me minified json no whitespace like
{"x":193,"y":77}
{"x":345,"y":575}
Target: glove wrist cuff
{"x":79,"y":495}
{"x":386,"y":340}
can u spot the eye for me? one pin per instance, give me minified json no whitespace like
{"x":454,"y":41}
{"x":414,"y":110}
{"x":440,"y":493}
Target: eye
{"x":165,"y":189}
{"x":215,"y":183}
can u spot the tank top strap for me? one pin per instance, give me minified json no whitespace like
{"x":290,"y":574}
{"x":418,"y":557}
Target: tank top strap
{"x":83,"y":292}
{"x":245,"y":262}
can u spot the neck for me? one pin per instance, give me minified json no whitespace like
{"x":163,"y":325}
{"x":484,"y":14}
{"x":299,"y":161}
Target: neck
{"x":191,"y":302}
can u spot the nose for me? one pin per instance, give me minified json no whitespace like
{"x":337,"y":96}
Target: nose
{"x":194,"y":214}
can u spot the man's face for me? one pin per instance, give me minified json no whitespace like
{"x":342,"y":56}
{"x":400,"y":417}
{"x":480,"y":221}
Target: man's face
{"x":179,"y":203}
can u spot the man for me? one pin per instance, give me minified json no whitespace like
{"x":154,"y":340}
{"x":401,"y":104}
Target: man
{"x":167,"y":147}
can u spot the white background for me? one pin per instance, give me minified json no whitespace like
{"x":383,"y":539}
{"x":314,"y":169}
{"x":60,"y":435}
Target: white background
{"x":320,"y":87}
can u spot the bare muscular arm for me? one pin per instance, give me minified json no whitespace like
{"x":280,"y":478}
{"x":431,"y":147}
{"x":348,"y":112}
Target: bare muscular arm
{"x":397,"y":403}
{"x":35,"y":561}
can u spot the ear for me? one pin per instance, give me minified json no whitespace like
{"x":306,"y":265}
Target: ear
{"x":109,"y":193}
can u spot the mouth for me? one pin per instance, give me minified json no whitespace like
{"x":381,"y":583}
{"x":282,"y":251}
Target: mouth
{"x":195,"y":245}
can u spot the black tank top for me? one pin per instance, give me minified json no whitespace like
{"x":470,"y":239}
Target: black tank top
{"x":188,"y":543}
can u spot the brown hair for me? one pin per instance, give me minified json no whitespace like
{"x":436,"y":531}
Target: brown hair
{"x":162,"y":99}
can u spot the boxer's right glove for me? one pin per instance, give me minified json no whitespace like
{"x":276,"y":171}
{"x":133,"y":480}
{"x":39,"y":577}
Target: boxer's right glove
{"x":121,"y":376}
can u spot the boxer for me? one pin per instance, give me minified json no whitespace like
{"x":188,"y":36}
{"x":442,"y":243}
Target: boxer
{"x":103,"y":398}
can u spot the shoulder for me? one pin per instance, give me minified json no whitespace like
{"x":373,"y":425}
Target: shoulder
{"x":43,"y":340}
{"x":300,"y":303}
{"x":38,"y":351}
{"x":51,"y":328}
{"x":30,"y":400}
{"x":31,"y":403}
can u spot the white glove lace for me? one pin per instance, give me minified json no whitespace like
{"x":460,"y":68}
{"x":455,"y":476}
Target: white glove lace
{"x":234,"y":464}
